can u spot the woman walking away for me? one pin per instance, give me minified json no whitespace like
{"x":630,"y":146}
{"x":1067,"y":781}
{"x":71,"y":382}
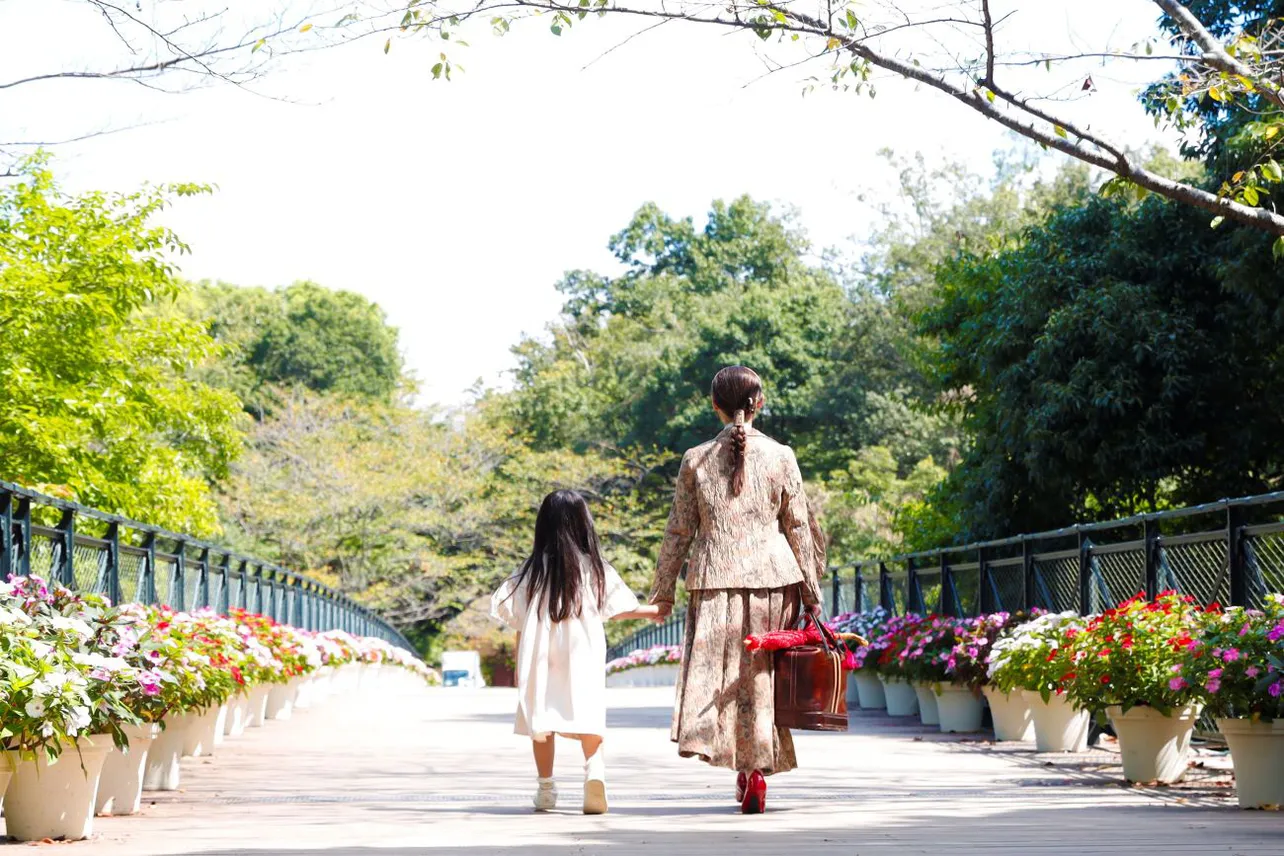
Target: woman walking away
{"x":557,"y":602}
{"x":740,"y":520}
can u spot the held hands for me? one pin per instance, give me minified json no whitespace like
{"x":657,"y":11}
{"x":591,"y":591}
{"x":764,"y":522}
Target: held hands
{"x":651,"y":612}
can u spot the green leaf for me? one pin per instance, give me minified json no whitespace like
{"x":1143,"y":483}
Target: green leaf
{"x":1272,"y":171}
{"x":305,"y":28}
{"x":387,"y":46}
{"x":258,"y":45}
{"x":1217,"y":221}
{"x":1277,"y":248}
{"x":1250,"y":195}
{"x":1060,"y":131}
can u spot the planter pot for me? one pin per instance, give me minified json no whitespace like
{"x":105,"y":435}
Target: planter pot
{"x":220,"y":724}
{"x":304,"y":691}
{"x":238,"y":712}
{"x":1154,"y":747}
{"x":900,"y":695}
{"x":1058,"y":727}
{"x":204,"y":732}
{"x":869,"y":689}
{"x":1011,"y":713}
{"x":659,"y":675}
{"x":852,"y":696}
{"x":928,"y":712}
{"x":960,"y":709}
{"x":161,"y":772}
{"x":1257,"y":750}
{"x":121,"y":788}
{"x":56,"y":800}
{"x":256,"y":707}
{"x":280,"y":701}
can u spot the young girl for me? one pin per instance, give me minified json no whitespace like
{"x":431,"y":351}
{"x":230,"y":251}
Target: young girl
{"x":557,"y":602}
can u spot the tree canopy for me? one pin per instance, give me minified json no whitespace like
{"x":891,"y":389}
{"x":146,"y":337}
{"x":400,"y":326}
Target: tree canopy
{"x":302,"y":335}
{"x":97,"y":396}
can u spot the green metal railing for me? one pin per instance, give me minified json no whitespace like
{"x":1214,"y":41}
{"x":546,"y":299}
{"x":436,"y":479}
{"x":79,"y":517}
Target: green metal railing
{"x":1231,"y":552}
{"x":129,"y":561}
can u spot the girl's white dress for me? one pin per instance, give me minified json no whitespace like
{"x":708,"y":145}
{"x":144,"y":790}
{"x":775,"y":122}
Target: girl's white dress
{"x":561,"y":667}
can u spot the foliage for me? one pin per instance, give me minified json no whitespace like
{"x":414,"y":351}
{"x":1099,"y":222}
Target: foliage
{"x":1035,"y":655}
{"x":301,"y":335}
{"x":883,"y":653}
{"x":968,"y":663}
{"x":1119,"y":359}
{"x":97,"y":401}
{"x":1236,"y":662}
{"x":1129,"y":655}
{"x":421,"y":516}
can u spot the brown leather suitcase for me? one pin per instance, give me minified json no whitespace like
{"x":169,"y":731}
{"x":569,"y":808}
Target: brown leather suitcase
{"x":810,"y":691}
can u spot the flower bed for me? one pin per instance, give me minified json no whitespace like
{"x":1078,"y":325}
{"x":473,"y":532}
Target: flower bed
{"x":657,"y":655}
{"x":73,"y":664}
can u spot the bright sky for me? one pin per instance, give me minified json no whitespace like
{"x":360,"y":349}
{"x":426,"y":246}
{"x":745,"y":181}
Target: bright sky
{"x":457,"y":206}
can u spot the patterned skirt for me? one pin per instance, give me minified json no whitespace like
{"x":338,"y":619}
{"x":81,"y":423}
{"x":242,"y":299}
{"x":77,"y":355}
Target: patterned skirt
{"x":725,"y":711}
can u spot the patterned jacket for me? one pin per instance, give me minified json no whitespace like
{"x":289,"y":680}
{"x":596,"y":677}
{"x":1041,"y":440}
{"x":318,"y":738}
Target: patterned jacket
{"x":757,"y":540}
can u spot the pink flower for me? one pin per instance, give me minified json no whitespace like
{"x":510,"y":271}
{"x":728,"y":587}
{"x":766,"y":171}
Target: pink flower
{"x":1252,"y":671}
{"x":1276,"y":688}
{"x":1177,"y":684}
{"x":1231,"y":655}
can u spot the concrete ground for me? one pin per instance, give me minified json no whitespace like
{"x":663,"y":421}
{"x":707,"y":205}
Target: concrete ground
{"x":439,"y":772}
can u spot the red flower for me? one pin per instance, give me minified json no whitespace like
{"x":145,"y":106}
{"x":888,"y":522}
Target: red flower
{"x":236,"y":675}
{"x":1105,"y":679}
{"x":1104,"y":652}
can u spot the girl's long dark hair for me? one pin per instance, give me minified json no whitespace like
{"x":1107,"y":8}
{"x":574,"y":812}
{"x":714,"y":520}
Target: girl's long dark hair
{"x":565,"y":544}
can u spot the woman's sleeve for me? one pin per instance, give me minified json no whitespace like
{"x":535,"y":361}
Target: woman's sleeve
{"x":619,"y":597}
{"x":795,"y":521}
{"x":684,"y":520}
{"x":505,"y":605}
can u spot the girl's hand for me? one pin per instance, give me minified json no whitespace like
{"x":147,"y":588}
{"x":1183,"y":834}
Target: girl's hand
{"x":662,"y":612}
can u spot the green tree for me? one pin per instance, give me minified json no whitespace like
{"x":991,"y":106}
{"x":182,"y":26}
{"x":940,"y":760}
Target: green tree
{"x":417,"y":514}
{"x":1118,"y":358}
{"x":302,"y":335}
{"x":97,"y":398}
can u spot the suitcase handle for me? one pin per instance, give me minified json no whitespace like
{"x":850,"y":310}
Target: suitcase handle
{"x":827,"y":638}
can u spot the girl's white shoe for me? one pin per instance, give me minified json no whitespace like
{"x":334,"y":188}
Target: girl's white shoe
{"x":595,"y":784}
{"x":545,"y":795}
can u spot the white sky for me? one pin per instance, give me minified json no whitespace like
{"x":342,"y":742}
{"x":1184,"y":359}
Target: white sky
{"x":456,"y":206}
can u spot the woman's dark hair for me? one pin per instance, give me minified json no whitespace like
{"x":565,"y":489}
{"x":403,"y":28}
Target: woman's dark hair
{"x":565,"y":543}
{"x":736,"y":391}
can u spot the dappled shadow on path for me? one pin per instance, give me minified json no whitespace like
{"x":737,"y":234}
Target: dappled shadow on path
{"x":1018,"y":830}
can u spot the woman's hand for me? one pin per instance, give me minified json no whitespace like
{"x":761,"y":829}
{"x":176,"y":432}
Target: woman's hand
{"x":662,"y":612}
{"x":814,"y":609}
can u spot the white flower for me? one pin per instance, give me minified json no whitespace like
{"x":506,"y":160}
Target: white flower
{"x":77,"y":720}
{"x":71,"y":625}
{"x":35,"y":708}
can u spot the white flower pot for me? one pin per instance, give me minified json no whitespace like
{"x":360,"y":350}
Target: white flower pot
{"x":928,"y":712}
{"x":203,"y":732}
{"x":869,"y":690}
{"x":852,"y":696}
{"x":1154,"y":747}
{"x":304,"y":691}
{"x":1011,"y":713}
{"x":280,"y":702}
{"x":56,"y":800}
{"x":659,"y":675}
{"x":120,"y":790}
{"x":1257,"y":750}
{"x":238,"y":711}
{"x":901,"y":698}
{"x":256,"y":711}
{"x":162,"y":770}
{"x":1058,"y":726}
{"x":960,"y":709}
{"x":220,"y":724}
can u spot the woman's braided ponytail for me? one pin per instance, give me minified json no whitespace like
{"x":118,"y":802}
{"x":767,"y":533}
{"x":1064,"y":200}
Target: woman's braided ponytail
{"x":737,"y":390}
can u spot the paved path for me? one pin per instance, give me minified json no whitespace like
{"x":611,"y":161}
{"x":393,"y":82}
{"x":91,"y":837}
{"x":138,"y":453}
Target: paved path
{"x":438,"y":772}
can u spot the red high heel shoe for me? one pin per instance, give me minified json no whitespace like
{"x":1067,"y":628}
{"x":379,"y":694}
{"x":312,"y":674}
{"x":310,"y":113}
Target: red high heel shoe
{"x":742,"y":785}
{"x":755,"y":801}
